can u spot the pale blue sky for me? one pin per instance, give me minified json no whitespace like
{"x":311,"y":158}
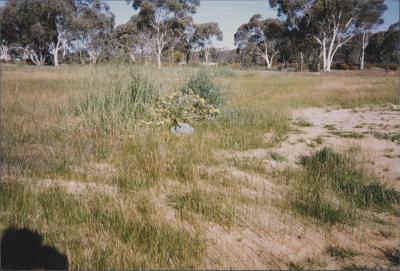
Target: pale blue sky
{"x":230,"y":14}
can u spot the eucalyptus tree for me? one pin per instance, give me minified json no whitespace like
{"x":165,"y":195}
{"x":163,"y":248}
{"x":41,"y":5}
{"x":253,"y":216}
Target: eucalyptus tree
{"x":205,"y":36}
{"x":330,"y":23}
{"x":37,"y":28}
{"x":384,"y":46}
{"x":390,"y":48}
{"x":165,"y":20}
{"x":92,"y":28}
{"x":188,"y":41}
{"x":372,"y":13}
{"x":265,"y":34}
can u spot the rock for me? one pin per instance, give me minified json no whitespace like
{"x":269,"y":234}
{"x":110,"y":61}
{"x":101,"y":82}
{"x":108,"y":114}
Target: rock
{"x":182,"y":129}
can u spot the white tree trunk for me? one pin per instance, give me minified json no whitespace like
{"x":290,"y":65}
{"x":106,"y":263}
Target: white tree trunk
{"x":160,"y":36}
{"x":265,"y":56}
{"x":158,"y":57}
{"x":301,"y":61}
{"x":363,"y":47}
{"x":37,"y":59}
{"x":132,"y":55}
{"x":60,"y":45}
{"x":207,"y":54}
{"x":55,"y":59}
{"x":333,"y":40}
{"x":5,"y":53}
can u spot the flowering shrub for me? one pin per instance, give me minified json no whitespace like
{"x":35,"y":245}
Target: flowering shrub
{"x":181,"y":107}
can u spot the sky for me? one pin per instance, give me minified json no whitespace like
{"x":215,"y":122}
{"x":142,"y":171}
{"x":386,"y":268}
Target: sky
{"x":230,"y":14}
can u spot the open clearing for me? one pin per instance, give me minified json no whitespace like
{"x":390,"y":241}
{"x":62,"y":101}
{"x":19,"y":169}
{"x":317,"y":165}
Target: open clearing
{"x":298,"y":171}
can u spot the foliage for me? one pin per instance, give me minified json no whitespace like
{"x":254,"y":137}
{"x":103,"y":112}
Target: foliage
{"x":384,"y":46}
{"x":266,"y":34}
{"x":203,"y":85}
{"x":204,"y":37}
{"x":331,"y":24}
{"x":92,"y":30}
{"x":33,"y":26}
{"x":185,"y":107}
{"x":342,"y":66}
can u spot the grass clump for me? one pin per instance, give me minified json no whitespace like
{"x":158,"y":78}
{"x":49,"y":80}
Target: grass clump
{"x":302,"y":122}
{"x":394,"y":137}
{"x":225,"y":71}
{"x":276,"y":156}
{"x":119,"y":105}
{"x":348,"y":134}
{"x":331,"y":187}
{"x":341,"y":253}
{"x":209,"y":205}
{"x":392,"y":255}
{"x":202,"y":84}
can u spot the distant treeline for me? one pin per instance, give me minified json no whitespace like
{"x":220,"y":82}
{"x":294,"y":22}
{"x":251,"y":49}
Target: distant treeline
{"x":308,"y":35}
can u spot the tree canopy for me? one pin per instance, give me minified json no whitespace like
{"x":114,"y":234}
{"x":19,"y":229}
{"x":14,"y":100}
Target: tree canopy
{"x":266,"y":34}
{"x":330,"y":23}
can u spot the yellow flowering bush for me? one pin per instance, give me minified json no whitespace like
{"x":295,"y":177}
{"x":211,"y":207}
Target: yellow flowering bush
{"x":182,"y":107}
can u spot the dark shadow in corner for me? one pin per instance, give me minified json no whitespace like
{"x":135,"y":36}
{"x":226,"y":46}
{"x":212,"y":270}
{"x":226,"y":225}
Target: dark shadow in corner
{"x":23,"y":249}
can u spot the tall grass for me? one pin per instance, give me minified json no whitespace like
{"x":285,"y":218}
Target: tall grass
{"x":125,"y":101}
{"x":97,"y":233}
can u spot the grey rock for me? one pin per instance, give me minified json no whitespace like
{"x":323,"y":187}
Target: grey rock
{"x":182,"y":129}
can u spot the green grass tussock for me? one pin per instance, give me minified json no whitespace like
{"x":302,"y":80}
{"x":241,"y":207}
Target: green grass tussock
{"x":333,"y":186}
{"x":202,"y":83}
{"x":341,"y":252}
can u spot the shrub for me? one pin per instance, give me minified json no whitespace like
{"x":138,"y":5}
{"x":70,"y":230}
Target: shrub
{"x":186,"y":107}
{"x":202,"y":84}
{"x":178,"y":57}
{"x":354,"y":67}
{"x":370,"y":66}
{"x":342,"y":66}
{"x":393,"y":67}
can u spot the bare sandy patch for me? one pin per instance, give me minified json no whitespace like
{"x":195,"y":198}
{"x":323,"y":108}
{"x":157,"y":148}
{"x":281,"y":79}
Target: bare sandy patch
{"x":97,"y":170}
{"x":69,"y":186}
{"x":361,"y":129}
